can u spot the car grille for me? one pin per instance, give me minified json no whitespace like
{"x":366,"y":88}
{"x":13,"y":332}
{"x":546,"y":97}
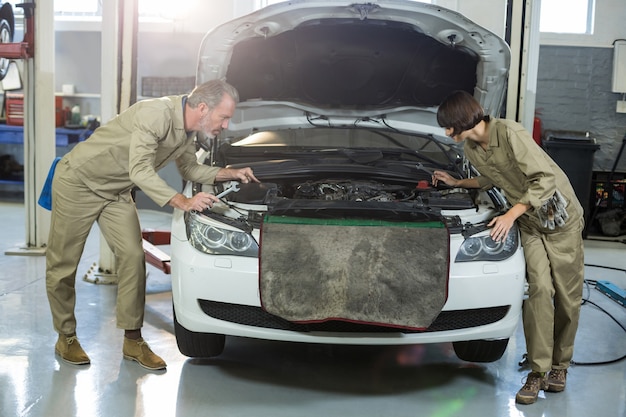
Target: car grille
{"x":257,"y":317}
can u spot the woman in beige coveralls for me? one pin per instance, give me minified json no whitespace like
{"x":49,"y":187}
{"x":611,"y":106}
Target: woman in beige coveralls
{"x":550,"y":219}
{"x":93,"y":182}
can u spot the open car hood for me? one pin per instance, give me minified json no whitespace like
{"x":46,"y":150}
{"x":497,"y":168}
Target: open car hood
{"x":349,"y":58}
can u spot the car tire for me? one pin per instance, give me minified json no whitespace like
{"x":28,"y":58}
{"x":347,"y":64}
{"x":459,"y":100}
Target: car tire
{"x":198,"y":345}
{"x":5,"y":37}
{"x":480,"y":350}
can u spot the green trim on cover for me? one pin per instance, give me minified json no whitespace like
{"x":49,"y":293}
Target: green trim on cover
{"x":349,"y":222}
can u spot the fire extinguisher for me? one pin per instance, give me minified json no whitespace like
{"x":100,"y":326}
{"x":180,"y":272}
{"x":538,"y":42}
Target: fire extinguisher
{"x":537,"y":128}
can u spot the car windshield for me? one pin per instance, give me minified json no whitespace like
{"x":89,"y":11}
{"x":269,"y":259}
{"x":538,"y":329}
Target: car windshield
{"x":349,"y":139}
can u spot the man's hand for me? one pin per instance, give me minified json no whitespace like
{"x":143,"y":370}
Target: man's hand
{"x":243,"y":175}
{"x":198,"y":202}
{"x":202,"y":201}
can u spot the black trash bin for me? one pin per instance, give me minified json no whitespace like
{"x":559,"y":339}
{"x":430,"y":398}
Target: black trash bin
{"x":574,"y":153}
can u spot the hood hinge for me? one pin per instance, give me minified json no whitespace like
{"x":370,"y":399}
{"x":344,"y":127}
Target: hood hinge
{"x":364,"y":9}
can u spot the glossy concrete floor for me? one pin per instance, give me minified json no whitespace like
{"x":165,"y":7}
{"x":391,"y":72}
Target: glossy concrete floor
{"x":261,"y":378}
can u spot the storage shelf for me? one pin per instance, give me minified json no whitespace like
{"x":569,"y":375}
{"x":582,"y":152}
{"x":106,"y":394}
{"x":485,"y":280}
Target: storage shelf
{"x":11,"y":182}
{"x":611,"y":195}
{"x":14,"y":135}
{"x":78,"y":95}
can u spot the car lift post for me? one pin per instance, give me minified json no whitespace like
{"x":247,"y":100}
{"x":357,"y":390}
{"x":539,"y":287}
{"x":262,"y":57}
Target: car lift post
{"x":119,"y":33}
{"x":39,"y":117}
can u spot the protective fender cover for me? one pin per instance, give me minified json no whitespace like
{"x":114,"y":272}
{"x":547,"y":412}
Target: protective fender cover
{"x":376,"y":272}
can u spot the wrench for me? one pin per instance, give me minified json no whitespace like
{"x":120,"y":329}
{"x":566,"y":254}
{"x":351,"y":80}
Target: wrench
{"x":233,"y":189}
{"x":421,"y":167}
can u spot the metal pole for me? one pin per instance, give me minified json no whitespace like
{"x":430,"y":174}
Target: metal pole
{"x":119,"y":43}
{"x":39,"y":124}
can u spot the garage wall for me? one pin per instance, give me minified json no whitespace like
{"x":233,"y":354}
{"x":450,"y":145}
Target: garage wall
{"x":574,"y":83}
{"x":574,"y":94}
{"x":574,"y":76}
{"x":164,"y":49}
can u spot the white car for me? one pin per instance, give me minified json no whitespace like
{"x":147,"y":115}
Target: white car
{"x":345,"y":240}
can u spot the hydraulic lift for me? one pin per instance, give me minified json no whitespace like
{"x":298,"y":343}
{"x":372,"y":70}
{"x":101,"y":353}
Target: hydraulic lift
{"x":26,"y":48}
{"x":39,"y":114}
{"x":155,"y":256}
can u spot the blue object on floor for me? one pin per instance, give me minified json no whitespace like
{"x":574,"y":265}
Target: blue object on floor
{"x":611,"y":290}
{"x":45,"y":198}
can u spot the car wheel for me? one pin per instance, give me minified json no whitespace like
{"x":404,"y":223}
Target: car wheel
{"x":480,"y":350}
{"x":5,"y":37}
{"x":198,"y":345}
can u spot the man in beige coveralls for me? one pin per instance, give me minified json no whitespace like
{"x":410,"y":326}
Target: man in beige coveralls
{"x":550,"y":219}
{"x":93,"y":182}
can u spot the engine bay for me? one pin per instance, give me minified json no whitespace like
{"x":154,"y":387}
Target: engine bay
{"x":344,"y":190}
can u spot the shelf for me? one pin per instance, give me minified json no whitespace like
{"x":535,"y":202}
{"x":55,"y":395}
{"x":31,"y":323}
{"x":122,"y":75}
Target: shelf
{"x":78,"y":95}
{"x":611,"y":195}
{"x":11,"y":182}
{"x":14,"y":135}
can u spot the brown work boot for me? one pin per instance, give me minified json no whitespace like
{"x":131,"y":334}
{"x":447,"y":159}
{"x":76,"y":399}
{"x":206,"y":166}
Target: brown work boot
{"x":68,"y":348}
{"x":556,"y":380}
{"x":138,"y":350}
{"x":535,"y":381}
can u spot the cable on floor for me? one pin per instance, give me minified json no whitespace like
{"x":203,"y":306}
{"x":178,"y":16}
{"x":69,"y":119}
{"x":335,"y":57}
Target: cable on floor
{"x":588,"y":283}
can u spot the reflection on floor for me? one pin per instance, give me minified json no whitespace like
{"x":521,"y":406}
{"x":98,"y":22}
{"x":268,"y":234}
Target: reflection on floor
{"x":261,"y":378}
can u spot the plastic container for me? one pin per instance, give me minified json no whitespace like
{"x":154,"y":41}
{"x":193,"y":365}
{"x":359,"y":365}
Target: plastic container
{"x":75,"y":115}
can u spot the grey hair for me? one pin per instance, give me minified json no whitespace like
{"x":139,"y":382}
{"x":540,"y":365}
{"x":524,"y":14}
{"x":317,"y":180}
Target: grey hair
{"x":211,"y":93}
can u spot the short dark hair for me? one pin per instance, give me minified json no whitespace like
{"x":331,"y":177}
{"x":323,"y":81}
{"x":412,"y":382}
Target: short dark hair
{"x":211,"y":93}
{"x":460,"y":111}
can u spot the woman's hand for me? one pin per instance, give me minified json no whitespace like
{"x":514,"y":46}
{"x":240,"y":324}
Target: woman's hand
{"x":444,"y":177}
{"x":501,"y":225}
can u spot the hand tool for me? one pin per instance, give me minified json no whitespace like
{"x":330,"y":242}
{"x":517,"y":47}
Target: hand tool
{"x":233,"y":189}
{"x":421,"y":167}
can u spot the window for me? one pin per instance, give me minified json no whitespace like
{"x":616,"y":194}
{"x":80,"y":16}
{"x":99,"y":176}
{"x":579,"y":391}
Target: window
{"x":567,"y":16}
{"x":262,"y":3}
{"x":77,"y":7}
{"x":147,"y":8}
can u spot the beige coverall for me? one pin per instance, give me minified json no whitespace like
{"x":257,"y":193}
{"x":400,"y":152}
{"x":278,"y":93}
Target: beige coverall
{"x":514,"y":163}
{"x":93,"y":182}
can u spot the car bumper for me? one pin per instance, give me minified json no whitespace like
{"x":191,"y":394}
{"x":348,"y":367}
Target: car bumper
{"x":220,"y":294}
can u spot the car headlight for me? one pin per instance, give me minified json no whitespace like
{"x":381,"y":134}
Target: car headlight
{"x":484,"y":248}
{"x":207,"y":237}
